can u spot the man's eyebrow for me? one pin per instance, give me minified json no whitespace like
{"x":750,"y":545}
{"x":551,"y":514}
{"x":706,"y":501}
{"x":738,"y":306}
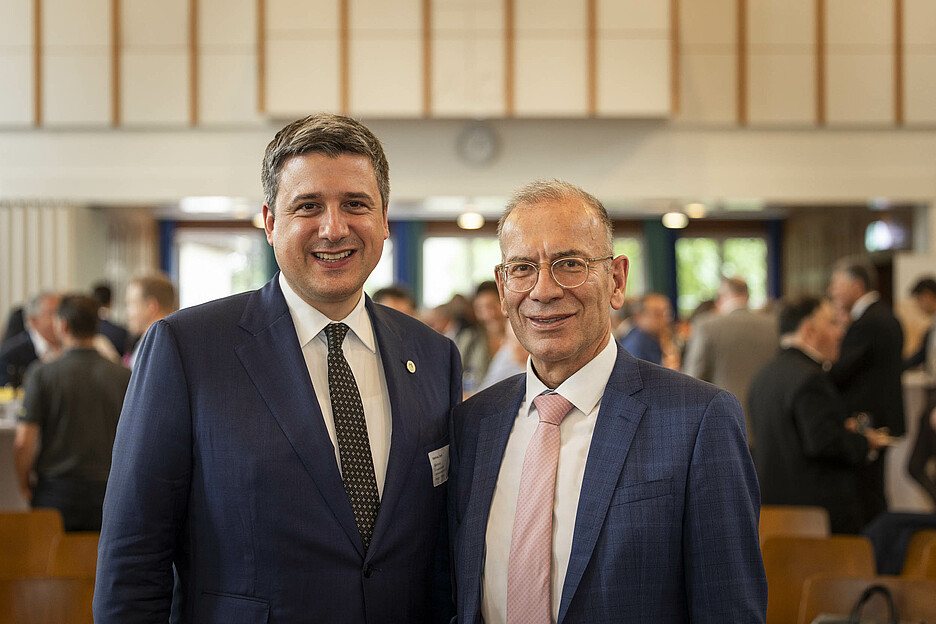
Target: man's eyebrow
{"x":570,"y":253}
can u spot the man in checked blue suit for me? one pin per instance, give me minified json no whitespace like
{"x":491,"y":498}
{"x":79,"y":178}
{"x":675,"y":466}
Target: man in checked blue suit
{"x":284,"y":452}
{"x":596,"y":487}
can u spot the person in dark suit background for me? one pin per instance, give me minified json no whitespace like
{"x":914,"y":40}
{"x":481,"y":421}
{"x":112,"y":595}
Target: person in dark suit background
{"x":286,"y":449}
{"x":37,"y":342}
{"x":924,"y":447}
{"x":649,"y":498}
{"x":868,"y":370}
{"x":807,"y":456}
{"x":117,"y":334}
{"x":652,"y":315}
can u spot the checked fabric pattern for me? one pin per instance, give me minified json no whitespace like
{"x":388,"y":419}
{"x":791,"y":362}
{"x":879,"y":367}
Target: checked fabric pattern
{"x":528,"y":565}
{"x":357,"y":463}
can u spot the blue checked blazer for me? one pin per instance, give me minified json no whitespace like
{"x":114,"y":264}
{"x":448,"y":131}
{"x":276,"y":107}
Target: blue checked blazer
{"x":666,"y":526}
{"x":223,"y":468}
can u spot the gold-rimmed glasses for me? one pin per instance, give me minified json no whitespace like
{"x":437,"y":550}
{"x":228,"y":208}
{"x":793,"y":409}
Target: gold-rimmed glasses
{"x":569,"y":272}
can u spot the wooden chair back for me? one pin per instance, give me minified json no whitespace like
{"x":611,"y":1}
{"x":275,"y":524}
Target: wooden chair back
{"x":921,"y":555}
{"x":793,"y":521}
{"x":789,"y":561}
{"x":27,"y":538}
{"x":914,"y":598}
{"x":46,"y":601}
{"x":75,"y":555}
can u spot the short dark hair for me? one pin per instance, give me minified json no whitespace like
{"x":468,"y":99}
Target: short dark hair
{"x":927,"y":284}
{"x":323,"y":133}
{"x":794,"y":311}
{"x":557,"y":190}
{"x":487,"y":286}
{"x":80,"y":313}
{"x":102,"y":292}
{"x":160,"y":288}
{"x":394,"y":292}
{"x":858,"y":270}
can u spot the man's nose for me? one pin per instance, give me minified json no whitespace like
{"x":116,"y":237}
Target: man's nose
{"x":546,"y":288}
{"x":333,"y":226}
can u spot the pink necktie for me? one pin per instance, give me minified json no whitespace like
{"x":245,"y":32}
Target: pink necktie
{"x":528,"y":577}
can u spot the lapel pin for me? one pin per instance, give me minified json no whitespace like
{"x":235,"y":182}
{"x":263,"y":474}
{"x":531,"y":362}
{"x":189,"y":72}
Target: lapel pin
{"x":410,"y":366}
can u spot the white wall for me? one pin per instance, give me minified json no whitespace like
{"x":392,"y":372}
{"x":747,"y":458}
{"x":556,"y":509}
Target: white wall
{"x":617,"y":160}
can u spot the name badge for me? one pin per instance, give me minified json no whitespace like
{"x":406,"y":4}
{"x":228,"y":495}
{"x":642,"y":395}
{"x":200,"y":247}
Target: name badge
{"x":439,"y":460}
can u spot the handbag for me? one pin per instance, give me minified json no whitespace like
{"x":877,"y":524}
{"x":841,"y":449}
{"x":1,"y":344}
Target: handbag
{"x":855,"y":616}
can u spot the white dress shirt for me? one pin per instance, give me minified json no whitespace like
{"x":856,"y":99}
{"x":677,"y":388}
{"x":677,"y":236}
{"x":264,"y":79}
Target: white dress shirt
{"x":584,"y":390}
{"x":360,"y":349}
{"x":863,"y":303}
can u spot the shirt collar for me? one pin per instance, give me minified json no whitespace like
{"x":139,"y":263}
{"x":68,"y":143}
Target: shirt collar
{"x":731,"y":306}
{"x":310,"y":322}
{"x":584,"y":388}
{"x":863,"y":303}
{"x":40,"y":344}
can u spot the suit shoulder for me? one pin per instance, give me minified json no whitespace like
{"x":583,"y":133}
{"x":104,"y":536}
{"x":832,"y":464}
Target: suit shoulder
{"x":209,"y":315}
{"x":493,"y":397}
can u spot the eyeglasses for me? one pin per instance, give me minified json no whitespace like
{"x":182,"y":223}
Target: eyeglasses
{"x":521,"y":277}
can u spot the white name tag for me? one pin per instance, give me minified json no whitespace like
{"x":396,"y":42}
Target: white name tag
{"x":439,"y":460}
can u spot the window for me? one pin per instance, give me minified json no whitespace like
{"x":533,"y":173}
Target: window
{"x":216,"y":263}
{"x":456,"y":264}
{"x":382,"y":275}
{"x":633,"y":249}
{"x":702,"y":262}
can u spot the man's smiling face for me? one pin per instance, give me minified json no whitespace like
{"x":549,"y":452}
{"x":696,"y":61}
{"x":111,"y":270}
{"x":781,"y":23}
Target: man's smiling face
{"x":327,"y":229}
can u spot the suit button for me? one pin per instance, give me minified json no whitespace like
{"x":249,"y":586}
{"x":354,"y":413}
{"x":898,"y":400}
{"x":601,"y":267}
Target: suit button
{"x":368,"y":570}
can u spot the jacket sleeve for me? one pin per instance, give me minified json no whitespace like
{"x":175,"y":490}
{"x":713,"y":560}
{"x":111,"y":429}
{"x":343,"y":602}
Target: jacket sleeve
{"x":725,"y":580}
{"x":698,"y":355}
{"x":147,"y":492}
{"x":819,"y":417}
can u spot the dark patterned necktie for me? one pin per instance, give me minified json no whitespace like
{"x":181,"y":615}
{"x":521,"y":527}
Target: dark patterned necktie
{"x":357,"y":463}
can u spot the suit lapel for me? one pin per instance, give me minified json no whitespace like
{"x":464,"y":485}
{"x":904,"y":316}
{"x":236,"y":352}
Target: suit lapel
{"x":273,"y":359}
{"x":493,"y":432}
{"x":618,"y":419}
{"x":404,"y":410}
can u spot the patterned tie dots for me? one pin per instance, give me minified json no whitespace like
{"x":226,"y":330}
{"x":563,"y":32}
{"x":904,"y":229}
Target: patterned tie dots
{"x":357,"y":463}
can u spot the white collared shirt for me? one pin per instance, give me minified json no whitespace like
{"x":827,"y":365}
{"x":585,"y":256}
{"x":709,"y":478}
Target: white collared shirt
{"x":40,"y":344}
{"x":360,"y":349}
{"x":863,"y":303}
{"x":584,"y":390}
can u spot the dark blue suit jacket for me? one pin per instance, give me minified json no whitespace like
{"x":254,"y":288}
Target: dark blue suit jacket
{"x":666,"y":527}
{"x":223,"y":467}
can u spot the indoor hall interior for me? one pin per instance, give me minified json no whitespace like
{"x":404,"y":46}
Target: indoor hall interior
{"x":757,"y":139}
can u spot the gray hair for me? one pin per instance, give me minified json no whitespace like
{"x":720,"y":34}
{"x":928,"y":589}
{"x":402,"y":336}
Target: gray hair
{"x":556,"y":190}
{"x":33,"y":307}
{"x":858,"y":269}
{"x":323,"y":133}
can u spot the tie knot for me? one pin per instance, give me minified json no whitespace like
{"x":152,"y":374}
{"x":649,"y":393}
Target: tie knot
{"x":552,"y":407}
{"x":335,"y":334}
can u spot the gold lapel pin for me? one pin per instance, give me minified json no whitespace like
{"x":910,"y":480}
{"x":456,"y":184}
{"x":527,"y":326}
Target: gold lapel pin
{"x":410,"y":366}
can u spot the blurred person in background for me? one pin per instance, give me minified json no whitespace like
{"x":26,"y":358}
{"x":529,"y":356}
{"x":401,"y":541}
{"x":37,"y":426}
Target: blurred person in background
{"x":805,"y":453}
{"x":452,"y":321}
{"x":868,"y":370}
{"x":728,"y":347}
{"x":117,"y":334}
{"x":68,"y":421}
{"x":15,"y":323}
{"x":37,"y":342}
{"x":920,"y":465}
{"x":509,"y":360}
{"x":396,"y":297}
{"x":149,"y":298}
{"x":487,"y":312}
{"x":651,"y":338}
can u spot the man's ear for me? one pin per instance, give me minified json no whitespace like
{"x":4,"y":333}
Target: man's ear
{"x":268,"y":219}
{"x":619,"y":268}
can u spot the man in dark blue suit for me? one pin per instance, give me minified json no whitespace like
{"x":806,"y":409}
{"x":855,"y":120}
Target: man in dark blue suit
{"x":652,"y":503}
{"x":286,"y":450}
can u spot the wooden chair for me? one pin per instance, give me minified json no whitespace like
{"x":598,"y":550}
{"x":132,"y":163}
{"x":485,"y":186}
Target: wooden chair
{"x":75,"y":555}
{"x":914,"y":598}
{"x":27,"y":538}
{"x":46,"y":601}
{"x":793,"y":521}
{"x":789,"y":561}
{"x":921,"y":555}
